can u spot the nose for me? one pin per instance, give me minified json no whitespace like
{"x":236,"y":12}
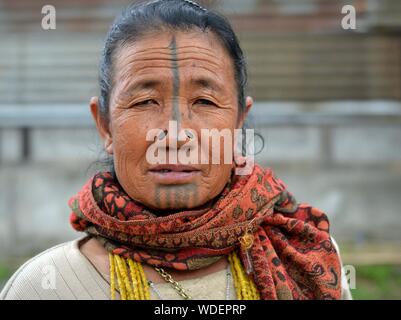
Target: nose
{"x":179,"y":128}
{"x":176,"y":139}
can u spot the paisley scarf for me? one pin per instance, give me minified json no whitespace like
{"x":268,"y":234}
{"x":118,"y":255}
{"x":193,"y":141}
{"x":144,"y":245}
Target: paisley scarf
{"x":291,"y":255}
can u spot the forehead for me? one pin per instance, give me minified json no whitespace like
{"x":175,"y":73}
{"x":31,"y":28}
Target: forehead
{"x":190,"y":50}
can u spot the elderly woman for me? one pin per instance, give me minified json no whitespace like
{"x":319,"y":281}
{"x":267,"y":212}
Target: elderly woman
{"x":173,"y":230}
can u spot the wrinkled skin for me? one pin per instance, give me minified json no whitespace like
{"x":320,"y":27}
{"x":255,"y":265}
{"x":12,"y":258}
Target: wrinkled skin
{"x":187,"y":77}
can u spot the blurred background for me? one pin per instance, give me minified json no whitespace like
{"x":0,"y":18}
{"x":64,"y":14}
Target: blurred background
{"x":327,"y":102}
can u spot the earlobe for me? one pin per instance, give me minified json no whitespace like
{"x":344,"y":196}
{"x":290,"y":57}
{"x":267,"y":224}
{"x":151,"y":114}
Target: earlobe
{"x":248,"y":104}
{"x":101,"y":125}
{"x":94,"y":108}
{"x":109,"y":146}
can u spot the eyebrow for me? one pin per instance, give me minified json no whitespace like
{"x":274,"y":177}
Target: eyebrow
{"x":206,"y":83}
{"x":143,"y":85}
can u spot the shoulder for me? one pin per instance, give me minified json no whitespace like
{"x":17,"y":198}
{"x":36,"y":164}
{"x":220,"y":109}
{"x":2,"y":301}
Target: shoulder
{"x":53,"y":274}
{"x":345,"y":289}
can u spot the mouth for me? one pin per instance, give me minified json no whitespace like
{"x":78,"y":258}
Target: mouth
{"x":174,"y":174}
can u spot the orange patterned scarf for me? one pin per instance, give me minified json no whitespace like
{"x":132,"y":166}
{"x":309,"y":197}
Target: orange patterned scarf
{"x":291,"y":257}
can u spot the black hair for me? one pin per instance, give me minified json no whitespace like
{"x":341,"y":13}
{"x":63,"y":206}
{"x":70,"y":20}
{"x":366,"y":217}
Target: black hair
{"x":182,"y":15}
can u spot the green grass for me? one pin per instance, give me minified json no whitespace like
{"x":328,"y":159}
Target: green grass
{"x":377,"y":282}
{"x":5,"y":274}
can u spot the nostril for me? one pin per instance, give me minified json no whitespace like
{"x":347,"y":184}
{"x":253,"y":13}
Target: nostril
{"x":163,"y":134}
{"x":189,"y":134}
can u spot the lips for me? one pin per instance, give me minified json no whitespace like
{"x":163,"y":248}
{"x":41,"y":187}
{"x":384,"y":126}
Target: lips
{"x":174,"y":173}
{"x":173,"y":167}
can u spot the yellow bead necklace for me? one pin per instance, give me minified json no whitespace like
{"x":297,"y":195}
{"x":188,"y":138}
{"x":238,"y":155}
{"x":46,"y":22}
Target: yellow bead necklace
{"x":133,"y":285}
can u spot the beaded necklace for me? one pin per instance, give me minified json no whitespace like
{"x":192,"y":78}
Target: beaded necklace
{"x":133,"y":285}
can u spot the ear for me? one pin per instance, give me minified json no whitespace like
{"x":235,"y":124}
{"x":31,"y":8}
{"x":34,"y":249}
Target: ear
{"x":101,"y":124}
{"x":248,"y":106}
{"x":239,"y":159}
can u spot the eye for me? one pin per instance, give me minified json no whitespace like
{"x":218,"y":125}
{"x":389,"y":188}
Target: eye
{"x":205,"y":102}
{"x":145,"y":102}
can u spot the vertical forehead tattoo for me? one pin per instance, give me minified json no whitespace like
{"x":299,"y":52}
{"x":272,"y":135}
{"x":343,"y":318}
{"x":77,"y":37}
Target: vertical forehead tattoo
{"x":176,"y":82}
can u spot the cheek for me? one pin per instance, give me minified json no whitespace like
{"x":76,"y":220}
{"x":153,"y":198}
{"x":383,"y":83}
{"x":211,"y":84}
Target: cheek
{"x":215,"y":181}
{"x":130,"y":147}
{"x":129,"y":142}
{"x":218,"y":174}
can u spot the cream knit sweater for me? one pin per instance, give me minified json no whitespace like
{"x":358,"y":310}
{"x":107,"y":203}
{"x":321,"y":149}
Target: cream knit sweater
{"x":63,"y":272}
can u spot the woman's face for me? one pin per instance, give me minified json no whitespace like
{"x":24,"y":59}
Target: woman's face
{"x":171,"y":81}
